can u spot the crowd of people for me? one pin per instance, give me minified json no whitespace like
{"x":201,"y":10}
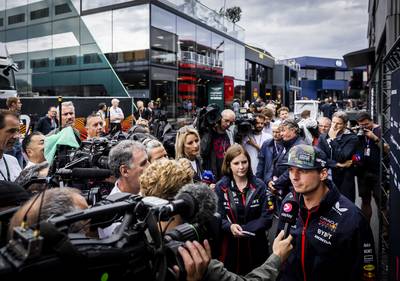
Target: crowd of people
{"x":254,"y":174}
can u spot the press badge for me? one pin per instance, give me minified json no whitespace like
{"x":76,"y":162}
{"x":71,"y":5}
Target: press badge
{"x":367,"y":151}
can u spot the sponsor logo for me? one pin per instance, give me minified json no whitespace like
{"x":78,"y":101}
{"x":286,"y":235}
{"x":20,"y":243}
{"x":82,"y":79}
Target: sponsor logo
{"x":324,"y":234}
{"x":338,"y":209}
{"x":368,"y":258}
{"x":287,"y":207}
{"x":322,"y":240}
{"x":327,"y":223}
{"x":342,"y":210}
{"x":369,"y":267}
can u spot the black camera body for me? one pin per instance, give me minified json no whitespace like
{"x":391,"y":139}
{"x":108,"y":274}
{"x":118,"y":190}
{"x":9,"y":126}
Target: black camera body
{"x":137,"y":250}
{"x":208,"y":118}
{"x":245,"y":124}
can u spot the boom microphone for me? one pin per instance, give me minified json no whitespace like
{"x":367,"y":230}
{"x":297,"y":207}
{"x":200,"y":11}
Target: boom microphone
{"x":289,"y":215}
{"x":85,"y":173}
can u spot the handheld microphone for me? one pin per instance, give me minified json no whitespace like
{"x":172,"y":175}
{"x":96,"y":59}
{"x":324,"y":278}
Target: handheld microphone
{"x":290,"y":211}
{"x":208,"y":177}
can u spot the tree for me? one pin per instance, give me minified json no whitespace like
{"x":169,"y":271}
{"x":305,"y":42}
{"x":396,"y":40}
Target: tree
{"x":233,"y":14}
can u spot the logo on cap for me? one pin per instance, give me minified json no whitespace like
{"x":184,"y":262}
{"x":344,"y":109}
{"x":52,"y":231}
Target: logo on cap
{"x":287,"y":207}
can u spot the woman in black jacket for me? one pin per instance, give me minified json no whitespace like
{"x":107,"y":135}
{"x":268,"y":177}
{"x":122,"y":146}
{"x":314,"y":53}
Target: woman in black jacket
{"x":187,"y":145}
{"x":246,"y":208}
{"x":340,"y":144}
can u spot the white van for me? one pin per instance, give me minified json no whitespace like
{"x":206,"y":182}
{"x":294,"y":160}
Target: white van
{"x":301,"y":105}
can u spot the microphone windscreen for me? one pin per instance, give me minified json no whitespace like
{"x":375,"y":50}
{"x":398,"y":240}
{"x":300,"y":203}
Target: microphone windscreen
{"x":205,"y":201}
{"x":90,"y":173}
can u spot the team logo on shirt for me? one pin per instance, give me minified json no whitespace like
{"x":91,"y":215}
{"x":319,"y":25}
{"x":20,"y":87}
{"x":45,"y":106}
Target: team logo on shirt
{"x":327,"y":223}
{"x":338,"y":209}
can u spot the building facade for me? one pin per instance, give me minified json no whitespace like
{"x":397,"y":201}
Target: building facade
{"x":176,"y":52}
{"x":259,"y":73}
{"x":286,"y":87}
{"x":325,"y":77}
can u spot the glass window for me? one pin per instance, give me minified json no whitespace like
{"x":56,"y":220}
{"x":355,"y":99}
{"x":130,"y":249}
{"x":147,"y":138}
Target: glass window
{"x":186,"y":31}
{"x":38,"y":14}
{"x":128,"y":36}
{"x":97,"y":82}
{"x":240,"y":90}
{"x":66,"y":83}
{"x":92,"y":4}
{"x":1,"y":22}
{"x":16,"y":41}
{"x":217,"y":52}
{"x":163,"y":86}
{"x":65,"y":60}
{"x":66,"y":33}
{"x":16,"y":19}
{"x":40,"y":63}
{"x":239,"y":62}
{"x":229,"y":58}
{"x":97,"y":28}
{"x":91,"y":58}
{"x":203,"y":39}
{"x":136,"y":82}
{"x":62,"y":9}
{"x":163,"y":48}
{"x":40,"y":37}
{"x":66,"y":8}
{"x":23,"y":83}
{"x":163,"y":36}
{"x":162,"y":19}
{"x":16,"y":3}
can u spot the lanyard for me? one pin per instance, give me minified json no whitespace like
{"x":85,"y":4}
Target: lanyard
{"x":8,"y":171}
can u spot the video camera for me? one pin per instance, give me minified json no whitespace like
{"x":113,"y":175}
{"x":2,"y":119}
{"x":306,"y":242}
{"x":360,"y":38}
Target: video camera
{"x":137,"y":250}
{"x":208,"y":117}
{"x":85,"y":168}
{"x":245,"y":122}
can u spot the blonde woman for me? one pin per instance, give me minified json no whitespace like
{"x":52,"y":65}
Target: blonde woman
{"x":164,"y":178}
{"x":187,"y":146}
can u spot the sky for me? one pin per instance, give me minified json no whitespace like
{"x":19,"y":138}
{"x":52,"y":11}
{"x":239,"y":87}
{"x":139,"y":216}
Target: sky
{"x":295,"y":28}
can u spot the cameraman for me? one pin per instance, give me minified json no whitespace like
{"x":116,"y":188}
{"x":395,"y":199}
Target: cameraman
{"x":127,"y":161}
{"x":216,"y":141}
{"x":252,"y":142}
{"x":94,"y":126}
{"x":369,"y":136}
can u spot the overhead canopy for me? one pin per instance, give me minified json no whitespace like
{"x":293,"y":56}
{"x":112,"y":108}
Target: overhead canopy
{"x":360,"y":58}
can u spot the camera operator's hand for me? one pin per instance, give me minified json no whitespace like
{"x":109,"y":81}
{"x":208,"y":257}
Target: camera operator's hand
{"x":369,"y":134}
{"x":237,"y":230}
{"x":282,"y":248}
{"x":196,"y":259}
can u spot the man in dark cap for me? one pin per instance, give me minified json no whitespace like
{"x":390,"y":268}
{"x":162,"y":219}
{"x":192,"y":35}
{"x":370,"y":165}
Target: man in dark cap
{"x":280,"y":182}
{"x":333,"y":239}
